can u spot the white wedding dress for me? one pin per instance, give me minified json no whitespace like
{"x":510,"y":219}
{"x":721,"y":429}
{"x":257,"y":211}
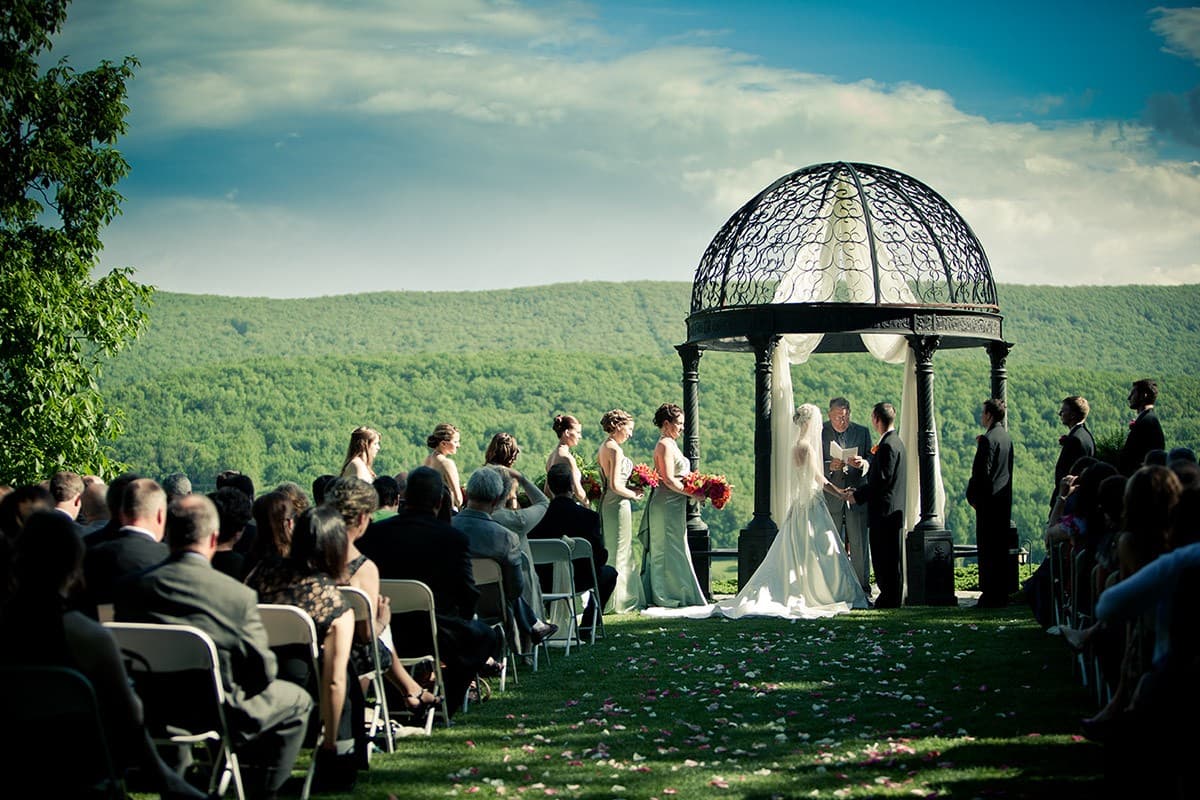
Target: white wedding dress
{"x":806,"y":573}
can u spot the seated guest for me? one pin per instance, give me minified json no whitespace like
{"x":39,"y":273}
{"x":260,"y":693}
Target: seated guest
{"x":512,"y":516}
{"x":267,"y":716}
{"x":112,"y":501}
{"x":275,"y":518}
{"x":49,"y":565}
{"x":388,"y":493}
{"x":67,"y":489}
{"x":19,"y":504}
{"x":486,"y":538}
{"x":296,"y":495}
{"x":308,"y":577}
{"x":176,"y":485}
{"x":137,"y":545}
{"x":93,"y":512}
{"x":235,"y":479}
{"x":1181,"y":454}
{"x":318,"y":487}
{"x":566,"y":518}
{"x":355,"y":500}
{"x":417,"y":545}
{"x":233,"y":508}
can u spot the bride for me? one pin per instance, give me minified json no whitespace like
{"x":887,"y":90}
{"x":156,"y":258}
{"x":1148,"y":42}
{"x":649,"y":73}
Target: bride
{"x":806,"y":574}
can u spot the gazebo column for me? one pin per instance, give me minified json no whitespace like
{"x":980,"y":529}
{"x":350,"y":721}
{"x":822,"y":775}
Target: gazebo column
{"x":929,"y":547}
{"x":755,"y":539}
{"x":998,"y":353}
{"x":697,"y":531}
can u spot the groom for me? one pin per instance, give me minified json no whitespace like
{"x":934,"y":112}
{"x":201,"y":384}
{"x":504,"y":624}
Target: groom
{"x":885,"y":490}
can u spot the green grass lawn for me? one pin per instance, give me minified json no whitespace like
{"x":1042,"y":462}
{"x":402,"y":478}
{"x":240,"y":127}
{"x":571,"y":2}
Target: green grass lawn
{"x":916,"y":702}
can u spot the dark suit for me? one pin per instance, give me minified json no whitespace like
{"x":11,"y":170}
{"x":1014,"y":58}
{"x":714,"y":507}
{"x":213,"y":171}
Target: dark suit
{"x":267,"y":715}
{"x":885,"y":496}
{"x":415,"y":545}
{"x":1145,"y":434}
{"x":990,"y":493}
{"x":565,"y":517}
{"x":1075,"y":445}
{"x":129,"y":551}
{"x":849,"y":519}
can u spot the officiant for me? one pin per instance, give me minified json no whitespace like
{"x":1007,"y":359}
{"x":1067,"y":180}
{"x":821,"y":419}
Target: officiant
{"x":844,"y":470}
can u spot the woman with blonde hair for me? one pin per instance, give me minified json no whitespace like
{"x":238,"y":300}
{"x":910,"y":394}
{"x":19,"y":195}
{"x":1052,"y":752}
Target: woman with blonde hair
{"x":568,"y":430}
{"x":444,"y":443}
{"x":360,"y":455}
{"x":616,"y":514}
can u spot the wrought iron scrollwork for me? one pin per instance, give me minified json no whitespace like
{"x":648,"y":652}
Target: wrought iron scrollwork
{"x":839,"y":225}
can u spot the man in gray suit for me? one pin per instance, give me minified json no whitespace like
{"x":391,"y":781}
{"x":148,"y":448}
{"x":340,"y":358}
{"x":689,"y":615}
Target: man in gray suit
{"x":486,"y":538}
{"x":268,"y":716}
{"x":849,"y":519}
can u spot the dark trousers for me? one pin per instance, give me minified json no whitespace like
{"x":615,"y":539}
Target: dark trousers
{"x":464,"y":645}
{"x":885,"y":555}
{"x":991,"y":537}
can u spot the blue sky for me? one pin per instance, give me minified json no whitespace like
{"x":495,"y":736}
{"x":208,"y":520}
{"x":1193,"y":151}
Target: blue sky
{"x":307,"y":147}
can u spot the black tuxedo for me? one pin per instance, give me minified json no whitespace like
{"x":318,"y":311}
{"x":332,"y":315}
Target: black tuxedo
{"x":885,"y":496}
{"x":849,"y":519}
{"x":990,"y":492}
{"x":186,"y":590}
{"x":1075,"y":445}
{"x":1145,"y":434}
{"x":416,"y":545}
{"x":128,"y":552}
{"x":565,"y":517}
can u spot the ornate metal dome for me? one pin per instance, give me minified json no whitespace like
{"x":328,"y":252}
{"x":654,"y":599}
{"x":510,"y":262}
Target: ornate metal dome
{"x":863,"y":243}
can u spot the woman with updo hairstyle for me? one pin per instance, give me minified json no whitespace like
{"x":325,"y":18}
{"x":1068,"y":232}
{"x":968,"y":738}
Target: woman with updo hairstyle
{"x":568,"y":430}
{"x":502,"y":451}
{"x":360,"y":455}
{"x":501,"y":454}
{"x":444,"y":443}
{"x":616,"y":514}
{"x":668,"y":577}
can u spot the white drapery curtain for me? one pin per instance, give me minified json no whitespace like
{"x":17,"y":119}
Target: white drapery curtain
{"x":843,"y":258}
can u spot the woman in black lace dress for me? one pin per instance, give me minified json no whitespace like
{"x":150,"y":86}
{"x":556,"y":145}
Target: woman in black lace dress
{"x":308,"y":578}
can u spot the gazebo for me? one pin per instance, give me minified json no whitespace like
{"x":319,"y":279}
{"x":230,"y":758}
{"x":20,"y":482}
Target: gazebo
{"x":845,"y":258}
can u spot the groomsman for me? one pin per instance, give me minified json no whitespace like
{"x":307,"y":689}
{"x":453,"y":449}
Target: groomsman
{"x":1077,"y":442}
{"x":990,"y":493}
{"x":849,"y":519}
{"x":885,"y":491}
{"x":1145,"y":431}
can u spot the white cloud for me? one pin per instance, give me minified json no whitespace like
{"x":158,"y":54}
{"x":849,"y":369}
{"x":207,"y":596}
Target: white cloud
{"x":1180,"y":27}
{"x":629,"y":161}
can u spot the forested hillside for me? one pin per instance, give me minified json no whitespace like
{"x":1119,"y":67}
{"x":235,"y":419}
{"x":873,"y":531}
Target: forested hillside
{"x":273,"y":387}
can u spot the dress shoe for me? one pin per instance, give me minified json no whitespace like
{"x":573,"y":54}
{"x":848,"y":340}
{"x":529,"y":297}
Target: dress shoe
{"x":542,"y":631}
{"x":492,"y":669}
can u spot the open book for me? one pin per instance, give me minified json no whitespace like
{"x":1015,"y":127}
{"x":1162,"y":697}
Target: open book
{"x":842,"y":453}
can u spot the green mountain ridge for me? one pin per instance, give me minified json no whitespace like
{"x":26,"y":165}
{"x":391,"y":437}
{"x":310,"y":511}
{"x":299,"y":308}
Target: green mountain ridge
{"x":273,"y":387}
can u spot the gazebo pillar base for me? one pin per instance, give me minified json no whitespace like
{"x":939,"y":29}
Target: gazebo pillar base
{"x":753,"y":543}
{"x":700,"y":546}
{"x":929,"y":557}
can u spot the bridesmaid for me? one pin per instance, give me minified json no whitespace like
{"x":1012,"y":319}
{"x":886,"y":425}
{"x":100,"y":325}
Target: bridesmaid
{"x":668,"y":578}
{"x":360,"y":456}
{"x":444,"y":443}
{"x":616,"y":518}
{"x":568,"y":430}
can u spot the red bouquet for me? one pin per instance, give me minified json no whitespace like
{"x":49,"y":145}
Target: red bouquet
{"x":708,"y":487}
{"x":643,"y":477}
{"x":591,"y":486}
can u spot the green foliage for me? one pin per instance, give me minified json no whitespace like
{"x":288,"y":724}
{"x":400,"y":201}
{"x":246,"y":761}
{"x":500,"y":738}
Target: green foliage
{"x":281,"y":404}
{"x":58,"y":170}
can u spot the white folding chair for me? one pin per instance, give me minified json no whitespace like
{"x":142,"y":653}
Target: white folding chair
{"x":494,"y":610}
{"x":582,"y":551}
{"x":38,"y":704}
{"x":357,"y":600}
{"x":557,"y":552}
{"x":291,"y":625}
{"x":408,"y":596}
{"x":180,"y":661}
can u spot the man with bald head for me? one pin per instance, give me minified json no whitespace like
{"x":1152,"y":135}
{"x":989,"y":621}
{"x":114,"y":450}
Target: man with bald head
{"x":137,"y":543}
{"x":268,"y":716}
